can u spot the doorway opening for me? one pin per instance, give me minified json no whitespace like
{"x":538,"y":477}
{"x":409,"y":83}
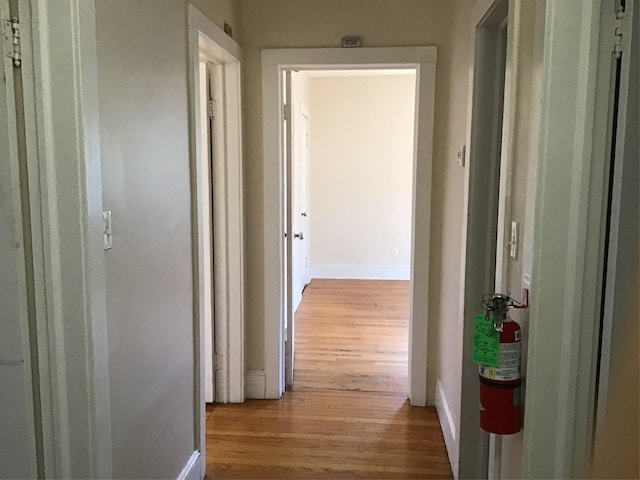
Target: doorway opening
{"x":487,"y":192}
{"x":351,"y":168}
{"x":277,"y":197}
{"x":217,"y":219}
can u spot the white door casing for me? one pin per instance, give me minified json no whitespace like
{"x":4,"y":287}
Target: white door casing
{"x":206,"y":253}
{"x":61,"y":117}
{"x":274,"y":62}
{"x":18,"y":442}
{"x":490,"y":139}
{"x":568,"y":235}
{"x":210,"y":44}
{"x":623,"y":224}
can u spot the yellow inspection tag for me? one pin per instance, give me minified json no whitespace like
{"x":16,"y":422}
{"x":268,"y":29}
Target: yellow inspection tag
{"x":486,"y":341}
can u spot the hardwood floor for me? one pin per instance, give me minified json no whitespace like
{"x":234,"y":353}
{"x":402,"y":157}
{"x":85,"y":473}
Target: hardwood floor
{"x":347,"y":415}
{"x":353,"y":335}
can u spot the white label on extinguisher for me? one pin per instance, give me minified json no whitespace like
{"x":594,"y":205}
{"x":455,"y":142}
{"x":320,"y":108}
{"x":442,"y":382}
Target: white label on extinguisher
{"x":508,"y":365}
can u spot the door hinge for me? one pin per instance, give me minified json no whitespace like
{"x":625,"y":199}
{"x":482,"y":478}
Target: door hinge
{"x":13,"y":36}
{"x":287,"y":112}
{"x":210,"y":112}
{"x":217,"y":362}
{"x":617,"y":33}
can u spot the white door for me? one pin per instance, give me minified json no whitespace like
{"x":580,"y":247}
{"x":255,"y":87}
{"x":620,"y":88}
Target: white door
{"x":289,"y":235}
{"x":300,"y":211}
{"x":17,"y":441}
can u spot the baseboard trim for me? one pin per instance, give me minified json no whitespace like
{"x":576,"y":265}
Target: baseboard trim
{"x":191,"y":469}
{"x":361,"y":272}
{"x":256,"y":385}
{"x":448,"y":427}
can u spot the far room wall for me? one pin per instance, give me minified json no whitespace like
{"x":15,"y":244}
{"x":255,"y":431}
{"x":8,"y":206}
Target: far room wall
{"x":360,"y":175}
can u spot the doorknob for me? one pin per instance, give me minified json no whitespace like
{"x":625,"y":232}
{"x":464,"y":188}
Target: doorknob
{"x":304,"y":214}
{"x":298,"y":235}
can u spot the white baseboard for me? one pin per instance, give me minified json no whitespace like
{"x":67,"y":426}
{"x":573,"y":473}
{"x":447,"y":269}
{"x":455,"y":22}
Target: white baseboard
{"x":448,"y":426}
{"x":191,"y":469}
{"x":361,"y":272}
{"x":256,"y":384}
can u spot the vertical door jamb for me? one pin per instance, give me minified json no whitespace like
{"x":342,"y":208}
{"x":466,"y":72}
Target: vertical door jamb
{"x":481,"y":225}
{"x":62,"y":122}
{"x":210,"y":43}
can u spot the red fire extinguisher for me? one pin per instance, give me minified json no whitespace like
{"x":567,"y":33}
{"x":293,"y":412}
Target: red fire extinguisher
{"x":500,"y":402}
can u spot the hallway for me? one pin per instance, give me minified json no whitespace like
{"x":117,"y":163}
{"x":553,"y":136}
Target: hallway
{"x":347,"y":415}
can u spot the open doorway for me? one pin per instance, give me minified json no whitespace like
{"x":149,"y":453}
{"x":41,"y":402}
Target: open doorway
{"x":352,"y":141}
{"x":277,"y":205}
{"x":488,"y":215}
{"x":217,"y":232}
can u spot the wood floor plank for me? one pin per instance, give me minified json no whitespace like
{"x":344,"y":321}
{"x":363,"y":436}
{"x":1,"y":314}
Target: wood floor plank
{"x":347,"y":415}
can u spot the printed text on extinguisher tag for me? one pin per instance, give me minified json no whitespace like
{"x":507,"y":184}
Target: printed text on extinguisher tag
{"x":508,"y":365}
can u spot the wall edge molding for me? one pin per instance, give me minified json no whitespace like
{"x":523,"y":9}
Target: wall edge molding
{"x":448,"y":427}
{"x":360,"y":272}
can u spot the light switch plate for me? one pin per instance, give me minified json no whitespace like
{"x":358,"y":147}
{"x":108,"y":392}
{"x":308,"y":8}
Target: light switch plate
{"x":461,"y":155}
{"x":513,"y":243}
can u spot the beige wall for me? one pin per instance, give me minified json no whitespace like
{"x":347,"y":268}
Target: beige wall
{"x":322,"y":23}
{"x":361,"y":168}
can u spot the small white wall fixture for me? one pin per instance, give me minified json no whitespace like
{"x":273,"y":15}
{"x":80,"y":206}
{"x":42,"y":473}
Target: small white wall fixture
{"x":210,"y":44}
{"x":274,"y":63}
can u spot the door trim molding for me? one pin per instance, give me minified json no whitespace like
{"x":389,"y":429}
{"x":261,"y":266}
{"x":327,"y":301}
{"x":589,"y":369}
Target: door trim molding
{"x":481,"y":228}
{"x":207,"y":41}
{"x":274,"y":62}
{"x":65,"y":188}
{"x":568,"y":239}
{"x":192,"y":469}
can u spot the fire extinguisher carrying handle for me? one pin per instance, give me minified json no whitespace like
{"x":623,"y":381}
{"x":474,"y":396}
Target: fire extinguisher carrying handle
{"x":499,"y":303}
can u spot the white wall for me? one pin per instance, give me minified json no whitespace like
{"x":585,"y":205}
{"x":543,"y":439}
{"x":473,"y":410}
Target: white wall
{"x":360,"y":182}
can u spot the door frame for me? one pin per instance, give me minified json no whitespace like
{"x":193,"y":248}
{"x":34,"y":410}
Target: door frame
{"x":276,"y":61}
{"x":482,"y":260}
{"x":209,"y":42}
{"x":619,"y":279}
{"x":62,"y":121}
{"x":568,"y":238}
{"x":18,"y":369}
